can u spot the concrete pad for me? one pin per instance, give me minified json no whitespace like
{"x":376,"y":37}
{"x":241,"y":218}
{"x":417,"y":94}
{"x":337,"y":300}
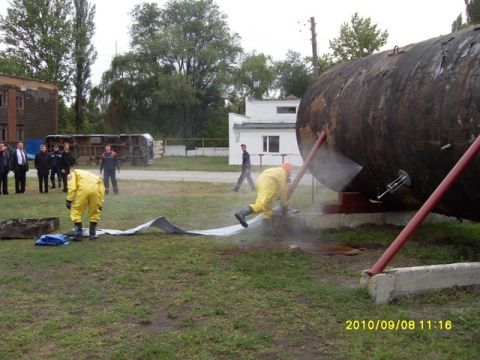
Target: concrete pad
{"x":394,"y":283}
{"x":319,"y":221}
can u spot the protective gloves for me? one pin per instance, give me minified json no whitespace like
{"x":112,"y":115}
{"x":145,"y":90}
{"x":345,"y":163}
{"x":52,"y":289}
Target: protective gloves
{"x":68,"y":204}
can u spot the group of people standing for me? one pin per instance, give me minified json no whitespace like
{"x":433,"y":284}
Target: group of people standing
{"x":84,"y":189}
{"x":57,"y":164}
{"x":15,"y":161}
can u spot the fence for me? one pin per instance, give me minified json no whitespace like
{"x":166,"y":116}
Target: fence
{"x":195,"y":146}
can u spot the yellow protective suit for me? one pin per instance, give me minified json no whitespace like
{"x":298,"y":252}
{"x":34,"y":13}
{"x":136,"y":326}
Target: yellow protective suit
{"x":271,"y":184}
{"x":87,"y":189}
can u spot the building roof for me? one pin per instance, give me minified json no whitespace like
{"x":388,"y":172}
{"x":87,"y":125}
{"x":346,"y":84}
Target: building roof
{"x":264,"y":125}
{"x":290,"y":98}
{"x":26,"y":83}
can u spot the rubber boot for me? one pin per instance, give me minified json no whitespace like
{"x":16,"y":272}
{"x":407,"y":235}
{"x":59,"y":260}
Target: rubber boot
{"x":78,"y":232}
{"x":93,"y":231}
{"x":241,"y":215}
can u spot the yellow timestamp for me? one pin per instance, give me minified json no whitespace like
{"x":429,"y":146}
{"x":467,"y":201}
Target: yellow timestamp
{"x":398,"y":325}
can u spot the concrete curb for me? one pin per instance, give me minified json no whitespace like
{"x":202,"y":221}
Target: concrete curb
{"x":394,"y":283}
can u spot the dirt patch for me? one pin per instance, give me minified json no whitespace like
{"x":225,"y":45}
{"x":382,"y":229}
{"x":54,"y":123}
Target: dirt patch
{"x":338,"y":263}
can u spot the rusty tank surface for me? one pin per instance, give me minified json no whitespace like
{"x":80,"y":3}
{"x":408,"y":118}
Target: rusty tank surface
{"x":414,"y":109}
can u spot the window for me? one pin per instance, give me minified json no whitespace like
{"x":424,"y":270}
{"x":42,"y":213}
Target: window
{"x":4,"y":133}
{"x":3,"y":98}
{"x":20,"y":101}
{"x":271,"y":144}
{"x":19,"y":133}
{"x":286,"y":109}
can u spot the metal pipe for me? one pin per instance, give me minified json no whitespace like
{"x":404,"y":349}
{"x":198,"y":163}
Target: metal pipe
{"x":306,"y":163}
{"x":427,"y":207}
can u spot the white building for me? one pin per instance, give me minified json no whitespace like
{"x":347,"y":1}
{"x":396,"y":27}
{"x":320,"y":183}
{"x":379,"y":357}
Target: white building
{"x":268,"y":130}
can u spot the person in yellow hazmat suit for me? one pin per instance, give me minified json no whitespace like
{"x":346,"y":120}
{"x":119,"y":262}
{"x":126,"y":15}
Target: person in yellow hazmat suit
{"x":87,"y":190}
{"x":271,"y":184}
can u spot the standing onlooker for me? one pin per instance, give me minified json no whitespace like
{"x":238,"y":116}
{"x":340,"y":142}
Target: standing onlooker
{"x":19,"y":165}
{"x":108,"y":164}
{"x":245,"y":170}
{"x":42,"y":164}
{"x":4,"y":169}
{"x":55,"y":166}
{"x":68,"y":160}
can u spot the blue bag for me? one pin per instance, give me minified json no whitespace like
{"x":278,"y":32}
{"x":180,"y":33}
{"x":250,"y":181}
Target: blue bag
{"x":52,"y":240}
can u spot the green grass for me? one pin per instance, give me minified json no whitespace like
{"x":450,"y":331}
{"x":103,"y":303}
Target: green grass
{"x":159,"y":296}
{"x":190,"y":163}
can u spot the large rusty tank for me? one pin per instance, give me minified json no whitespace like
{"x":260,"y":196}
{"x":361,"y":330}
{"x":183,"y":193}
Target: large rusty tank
{"x":415,"y":109}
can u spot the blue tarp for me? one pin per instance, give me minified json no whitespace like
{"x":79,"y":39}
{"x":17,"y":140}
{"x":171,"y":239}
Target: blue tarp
{"x":52,"y":240}
{"x":32,"y":147}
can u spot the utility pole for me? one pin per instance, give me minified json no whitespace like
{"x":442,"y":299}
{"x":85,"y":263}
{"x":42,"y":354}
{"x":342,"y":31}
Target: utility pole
{"x":314,"y":47}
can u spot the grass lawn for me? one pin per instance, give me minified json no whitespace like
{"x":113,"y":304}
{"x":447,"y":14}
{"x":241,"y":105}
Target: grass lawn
{"x":188,"y":163}
{"x":159,"y":296}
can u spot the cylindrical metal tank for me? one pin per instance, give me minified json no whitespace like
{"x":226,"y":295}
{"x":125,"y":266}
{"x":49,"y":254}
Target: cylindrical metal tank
{"x":415,"y":109}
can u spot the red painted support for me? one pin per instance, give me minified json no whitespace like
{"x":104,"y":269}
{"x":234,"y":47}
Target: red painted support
{"x":306,"y":163}
{"x":429,"y":205}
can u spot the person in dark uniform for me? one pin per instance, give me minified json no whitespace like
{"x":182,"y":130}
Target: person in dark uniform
{"x":19,"y":165}
{"x":68,"y":161}
{"x":42,"y":164}
{"x":55,"y":166}
{"x":4,"y":169}
{"x":245,"y":170}
{"x":109,"y":164}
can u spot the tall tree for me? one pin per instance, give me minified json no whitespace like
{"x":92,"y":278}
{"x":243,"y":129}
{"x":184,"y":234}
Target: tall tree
{"x":294,"y":75}
{"x":458,"y":23}
{"x":83,"y":56}
{"x":38,"y":34}
{"x":255,"y":76}
{"x":472,"y":10}
{"x":357,"y":39}
{"x":189,"y":39}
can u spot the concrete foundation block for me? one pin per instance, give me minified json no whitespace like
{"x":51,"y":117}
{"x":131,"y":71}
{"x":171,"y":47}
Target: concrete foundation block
{"x":319,"y":221}
{"x":394,"y":283}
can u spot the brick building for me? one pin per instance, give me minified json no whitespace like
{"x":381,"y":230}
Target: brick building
{"x":28,"y":109}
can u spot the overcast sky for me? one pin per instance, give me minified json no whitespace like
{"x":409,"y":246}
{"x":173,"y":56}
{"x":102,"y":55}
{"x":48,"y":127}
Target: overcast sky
{"x":275,"y":26}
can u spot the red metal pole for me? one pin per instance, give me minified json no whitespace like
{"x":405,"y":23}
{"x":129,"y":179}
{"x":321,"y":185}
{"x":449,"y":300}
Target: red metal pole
{"x":429,"y":205}
{"x":306,"y":163}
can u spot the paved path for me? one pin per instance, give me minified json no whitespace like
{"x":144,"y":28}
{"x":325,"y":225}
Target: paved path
{"x":201,"y":176}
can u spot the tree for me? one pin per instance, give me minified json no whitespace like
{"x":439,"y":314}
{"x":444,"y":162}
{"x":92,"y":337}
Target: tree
{"x":12,"y":65}
{"x":190,"y":40}
{"x":83,"y":56}
{"x":472,"y":9}
{"x":458,"y":23}
{"x":294,"y":75}
{"x":37,"y":33}
{"x":357,"y":39}
{"x":255,"y":76}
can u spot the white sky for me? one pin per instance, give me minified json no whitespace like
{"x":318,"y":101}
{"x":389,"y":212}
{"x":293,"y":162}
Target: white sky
{"x":275,"y":26}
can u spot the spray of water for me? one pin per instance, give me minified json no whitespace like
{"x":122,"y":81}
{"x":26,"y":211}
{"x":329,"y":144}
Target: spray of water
{"x":335,"y":170}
